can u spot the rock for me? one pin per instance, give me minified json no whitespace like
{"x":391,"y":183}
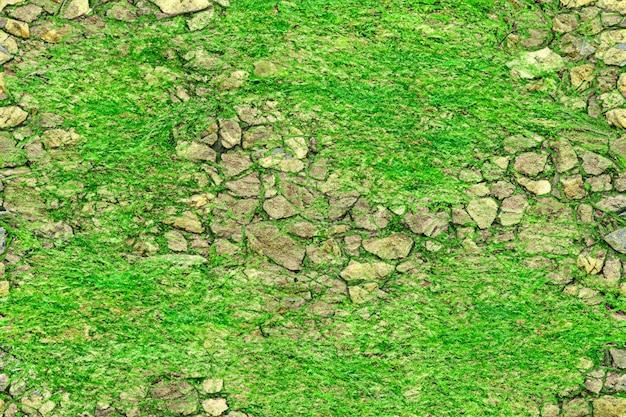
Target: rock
{"x":540,"y":187}
{"x":248,"y":186}
{"x":15,"y":27}
{"x":576,"y":3}
{"x":594,"y":164}
{"x":618,"y":146}
{"x":201,"y":20}
{"x":530,"y":163}
{"x":304,"y":230}
{"x":483,"y":212}
{"x":599,"y":184}
{"x":3,"y":240}
{"x":176,"y":7}
{"x":536,"y":64}
{"x":257,"y":135}
{"x":612,"y":203}
{"x":212,"y":386}
{"x":550,"y":410}
{"x":194,"y":151}
{"x":612,"y":270}
{"x":564,"y":156}
{"x":512,"y":210}
{"x":4,"y":382}
{"x":11,"y":116}
{"x":55,"y":138}
{"x":188,"y":222}
{"x":235,"y":163}
{"x":360,"y":294}
{"x":582,"y":76}
{"x":593,"y":385}
{"x":124,"y":12}
{"x":577,"y":407}
{"x":609,"y":406}
{"x":617,"y":240}
{"x":265,"y":239}
{"x":215,"y":406}
{"x":423,"y":222}
{"x":47,"y":407}
{"x":617,"y":117}
{"x":613,"y":5}
{"x":369,"y":271}
{"x":573,"y":187}
{"x":28,"y":13}
{"x":265,"y":69}
{"x":278,"y":208}
{"x":75,"y":8}
{"x":611,"y":100}
{"x":4,"y":288}
{"x":298,"y":147}
{"x":590,"y":263}
{"x":176,"y":241}
{"x":229,"y":133}
{"x":618,"y":358}
{"x":394,"y":246}
{"x":564,"y":23}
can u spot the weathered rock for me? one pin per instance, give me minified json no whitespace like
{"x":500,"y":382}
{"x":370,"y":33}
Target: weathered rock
{"x":536,"y":64}
{"x":3,"y":240}
{"x":176,"y":7}
{"x":76,"y":8}
{"x":599,"y":184}
{"x":11,"y":116}
{"x":55,"y":138}
{"x":611,"y":100}
{"x":235,"y":163}
{"x":540,"y":187}
{"x":612,"y":203}
{"x":501,"y":189}
{"x":612,"y":270}
{"x":28,"y":13}
{"x":201,"y":20}
{"x":582,"y":76}
{"x":512,"y":210}
{"x":573,"y":187}
{"x":195,"y":151}
{"x":257,"y":135}
{"x":617,"y":240}
{"x":229,"y":133}
{"x":212,"y":386}
{"x":618,"y":147}
{"x":278,"y":208}
{"x":565,"y":22}
{"x":613,"y":5}
{"x":4,"y":288}
{"x":576,"y":3}
{"x":369,"y":271}
{"x":394,"y":246}
{"x":550,"y":410}
{"x":327,"y":253}
{"x":594,"y":164}
{"x":176,"y":241}
{"x":483,"y":212}
{"x":591,"y":263}
{"x":266,"y":239}
{"x":188,"y":221}
{"x":565,"y":157}
{"x":618,"y":358}
{"x":553,"y":239}
{"x":424,"y":222}
{"x":617,"y":117}
{"x":298,"y":147}
{"x":265,"y":69}
{"x":305,"y":230}
{"x":609,"y":406}
{"x":248,"y":186}
{"x":215,"y":406}
{"x":530,"y":163}
{"x":577,"y":407}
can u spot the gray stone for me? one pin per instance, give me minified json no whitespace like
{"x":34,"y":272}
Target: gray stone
{"x":235,"y":163}
{"x":424,"y":222}
{"x":11,"y":116}
{"x":3,"y":240}
{"x":618,"y":358}
{"x":594,"y":164}
{"x":212,"y":386}
{"x":265,"y":239}
{"x":229,"y":133}
{"x":248,"y":186}
{"x":609,"y":406}
{"x":564,"y":156}
{"x":512,"y":210}
{"x":28,"y":13}
{"x":566,"y":22}
{"x":176,"y":241}
{"x":576,"y":3}
{"x":368,"y":271}
{"x":176,"y":7}
{"x":536,"y":63}
{"x":483,"y":212}
{"x":613,"y":5}
{"x":278,"y":208}
{"x":550,"y":410}
{"x":394,"y":246}
{"x":76,"y":8}
{"x":612,"y":203}
{"x":530,"y":163}
{"x":195,"y":151}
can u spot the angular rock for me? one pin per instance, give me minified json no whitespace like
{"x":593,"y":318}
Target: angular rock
{"x":75,"y":8}
{"x":618,"y":358}
{"x":176,"y":242}
{"x":573,"y":187}
{"x":613,"y":5}
{"x":235,"y":163}
{"x":229,"y":133}
{"x":201,"y":20}
{"x":594,"y":164}
{"x":304,"y":230}
{"x":609,"y":406}
{"x":278,"y":208}
{"x":298,"y":147}
{"x":424,"y":222}
{"x":55,"y":138}
{"x":564,"y":156}
{"x":612,"y":203}
{"x":582,"y":76}
{"x":550,"y":410}
{"x":512,"y":210}
{"x":577,"y":407}
{"x":194,"y":151}
{"x":617,"y":117}
{"x":176,"y":7}
{"x":537,"y":63}
{"x":28,"y":13}
{"x":212,"y":386}
{"x":215,"y":406}
{"x":530,"y":163}
{"x":564,"y":23}
{"x":540,"y":187}
{"x":591,"y":263}
{"x":617,"y":240}
{"x":11,"y":116}
{"x":394,"y":246}
{"x":188,"y":222}
{"x":248,"y":186}
{"x":483,"y":212}
{"x":369,"y":271}
{"x":4,"y":288}
{"x":265,"y":239}
{"x":599,"y":184}
{"x":360,"y":294}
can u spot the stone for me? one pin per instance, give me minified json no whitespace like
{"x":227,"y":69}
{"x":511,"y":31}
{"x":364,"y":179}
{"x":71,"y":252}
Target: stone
{"x":591,"y":263}
{"x":215,"y":406}
{"x":298,"y":147}
{"x":265,"y":69}
{"x":424,"y":222}
{"x":483,"y":212}
{"x":15,"y":27}
{"x":367,"y":271}
{"x":609,"y":406}
{"x":576,"y":3}
{"x":599,"y":184}
{"x":541,"y":187}
{"x":501,"y":189}
{"x":257,"y":135}
{"x":550,"y":410}
{"x":573,"y":187}
{"x":176,"y":241}
{"x":265,"y":239}
{"x":564,"y":156}
{"x":618,"y":358}
{"x":617,"y":117}
{"x":612,"y":5}
{"x":194,"y":151}
{"x":28,"y":13}
{"x":248,"y":186}
{"x":176,"y":7}
{"x":3,"y":240}
{"x":4,"y":288}
{"x":460,"y":216}
{"x":306,"y":230}
{"x":278,"y":208}
{"x":612,"y":270}
{"x":212,"y":386}
{"x":124,"y":12}
{"x":611,"y":100}
{"x":585,"y":213}
{"x":229,"y":133}
{"x":55,"y":138}
{"x":530,"y":163}
{"x":394,"y":246}
{"x":582,"y":76}
{"x":594,"y":164}
{"x":4,"y":382}
{"x":618,"y":147}
{"x":564,"y":23}
{"x":201,"y":20}
{"x":536,"y":63}
{"x":11,"y":116}
{"x":75,"y":8}
{"x":617,"y":240}
{"x":235,"y":163}
{"x":360,"y":294}
{"x":188,"y":222}
{"x":512,"y":210}
{"x":593,"y":385}
{"x":577,"y":407}
{"x":612,"y":203}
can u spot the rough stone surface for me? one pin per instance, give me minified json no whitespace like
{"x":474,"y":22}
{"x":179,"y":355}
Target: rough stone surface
{"x":578,"y":407}
{"x":541,"y":187}
{"x":214,"y":406}
{"x":266,"y":239}
{"x":11,"y":116}
{"x":279,"y":208}
{"x":573,"y":187}
{"x":565,"y":157}
{"x":617,"y":117}
{"x":176,"y":7}
{"x":248,"y":186}
{"x":188,"y":222}
{"x":195,"y":151}
{"x":530,"y":163}
{"x":536,"y":64}
{"x":229,"y":133}
{"x":609,"y":406}
{"x":394,"y":246}
{"x":75,"y":8}
{"x":424,"y":222}
{"x":617,"y":240}
{"x":369,"y":271}
{"x":612,"y":203}
{"x":483,"y":212}
{"x":594,"y":164}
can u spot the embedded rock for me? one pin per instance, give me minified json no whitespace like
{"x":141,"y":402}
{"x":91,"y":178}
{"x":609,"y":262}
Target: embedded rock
{"x":194,"y":151}
{"x":278,"y":208}
{"x":176,"y":7}
{"x":266,"y":239}
{"x":11,"y":116}
{"x":394,"y":246}
{"x":537,"y":63}
{"x":617,"y":240}
{"x":188,"y":222}
{"x":483,"y":212}
{"x":609,"y":406}
{"x":370,"y":271}
{"x":530,"y":163}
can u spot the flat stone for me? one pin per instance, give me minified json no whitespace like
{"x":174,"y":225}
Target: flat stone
{"x":394,"y":246}
{"x":202,"y":19}
{"x":229,"y":133}
{"x":576,"y":3}
{"x":617,"y":117}
{"x":530,"y":163}
{"x":612,"y":270}
{"x":248,"y":186}
{"x":75,"y":8}
{"x":11,"y":116}
{"x":617,"y":240}
{"x":235,"y":163}
{"x":298,"y":147}
{"x":594,"y":164}
{"x":368,"y":271}
{"x":618,"y":357}
{"x":28,"y":13}
{"x":188,"y":222}
{"x":265,"y":239}
{"x":305,"y":230}
{"x":278,"y":208}
{"x":194,"y":151}
{"x":564,"y":156}
{"x":612,"y":203}
{"x":541,"y":187}
{"x":590,"y":263}
{"x":212,"y":386}
{"x":512,"y":210}
{"x":176,"y":241}
{"x":582,"y":76}
{"x":425,"y":222}
{"x":55,"y":138}
{"x":577,"y":407}
{"x":609,"y":406}
{"x":612,"y":5}
{"x":550,"y":410}
{"x":536,"y":63}
{"x":599,"y":184}
{"x":573,"y":187}
{"x":360,"y":294}
{"x":483,"y":212}
{"x":3,"y":240}
{"x":564,"y":23}
{"x":4,"y":288}
{"x":176,"y":7}
{"x":215,"y":406}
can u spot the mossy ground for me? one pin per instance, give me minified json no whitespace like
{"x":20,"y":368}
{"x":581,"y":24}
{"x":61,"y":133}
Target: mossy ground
{"x":397,"y":93}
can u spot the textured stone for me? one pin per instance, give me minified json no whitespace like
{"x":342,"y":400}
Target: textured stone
{"x":612,"y":203}
{"x":536,"y":63}
{"x":424,"y":222}
{"x":564,"y":156}
{"x":573,"y":187}
{"x":214,"y":406}
{"x":609,"y":406}
{"x":540,"y":187}
{"x":530,"y":163}
{"x":176,"y":241}
{"x":235,"y":163}
{"x":11,"y":116}
{"x":229,"y":133}
{"x":212,"y":386}
{"x":76,"y":8}
{"x":201,"y":20}
{"x":594,"y":164}
{"x":278,"y":208}
{"x":394,"y":246}
{"x":4,"y":288}
{"x":582,"y":76}
{"x":188,"y":221}
{"x":195,"y":151}
{"x":565,"y":22}
{"x":613,"y":5}
{"x":55,"y":138}
{"x":576,"y":3}
{"x":577,"y":407}
{"x":368,"y":271}
{"x":512,"y":210}
{"x":483,"y":212}
{"x":617,"y":240}
{"x":265,"y":238}
{"x":176,"y":7}
{"x":15,"y":27}
{"x":617,"y":117}
{"x":591,"y":263}
{"x":248,"y":186}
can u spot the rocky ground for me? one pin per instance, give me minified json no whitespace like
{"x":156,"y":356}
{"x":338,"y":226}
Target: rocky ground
{"x":249,"y":199}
